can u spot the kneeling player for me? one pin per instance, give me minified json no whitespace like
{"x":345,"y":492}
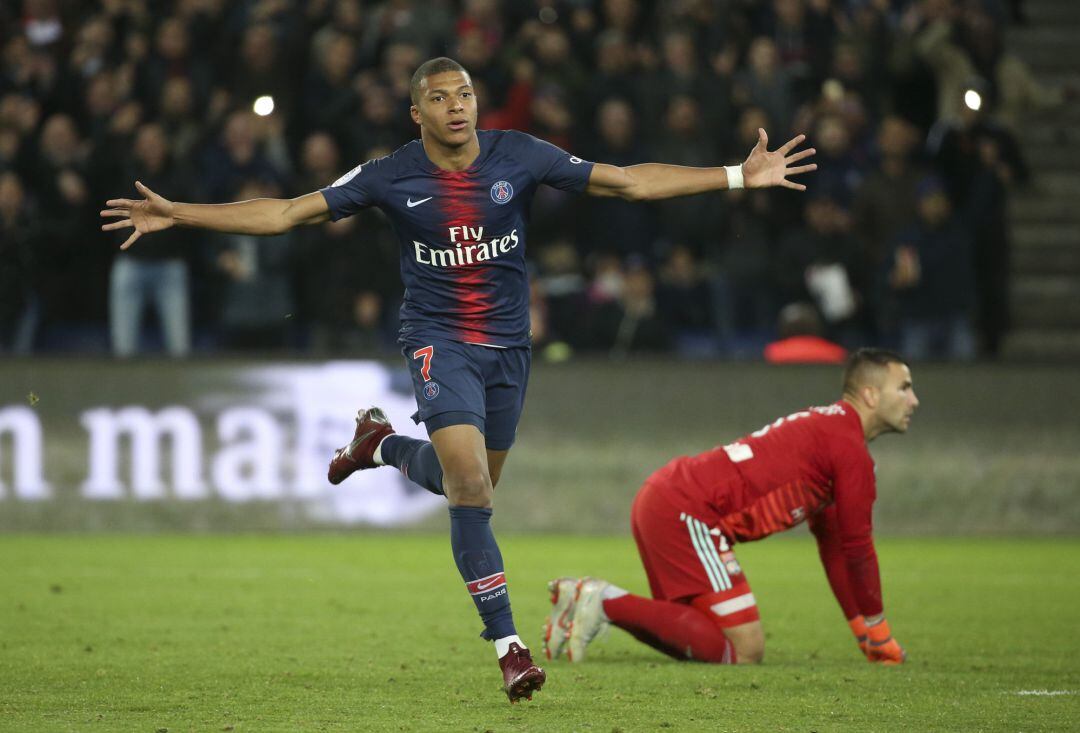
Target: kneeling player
{"x":811,"y":465}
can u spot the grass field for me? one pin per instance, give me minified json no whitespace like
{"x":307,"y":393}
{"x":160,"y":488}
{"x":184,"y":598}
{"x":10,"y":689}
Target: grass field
{"x":374,"y":632}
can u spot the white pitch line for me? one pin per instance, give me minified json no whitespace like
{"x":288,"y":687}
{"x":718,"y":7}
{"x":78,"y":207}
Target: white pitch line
{"x":1044,"y":693}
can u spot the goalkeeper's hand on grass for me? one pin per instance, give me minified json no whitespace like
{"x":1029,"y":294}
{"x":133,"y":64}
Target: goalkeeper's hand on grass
{"x":883,"y":648}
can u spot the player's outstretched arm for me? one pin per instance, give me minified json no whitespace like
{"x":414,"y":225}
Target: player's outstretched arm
{"x":258,"y":216}
{"x":652,"y":181}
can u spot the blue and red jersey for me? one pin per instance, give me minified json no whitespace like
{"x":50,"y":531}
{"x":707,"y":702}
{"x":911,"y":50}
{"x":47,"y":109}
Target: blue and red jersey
{"x":462,"y":233}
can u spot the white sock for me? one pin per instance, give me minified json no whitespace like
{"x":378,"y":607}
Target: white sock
{"x":612,"y":591}
{"x":502,"y":646}
{"x":377,"y":455}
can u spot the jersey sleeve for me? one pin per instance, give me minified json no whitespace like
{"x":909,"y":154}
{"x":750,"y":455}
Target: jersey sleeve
{"x":361,"y":187}
{"x":554,"y":166}
{"x":825,"y":527}
{"x":853,"y":495}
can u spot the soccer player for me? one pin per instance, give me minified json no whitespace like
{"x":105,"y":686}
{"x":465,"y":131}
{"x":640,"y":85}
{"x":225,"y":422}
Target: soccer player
{"x":812,"y":465}
{"x":458,"y":199}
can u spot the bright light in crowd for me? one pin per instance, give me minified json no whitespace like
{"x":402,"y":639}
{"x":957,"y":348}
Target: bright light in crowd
{"x":972,"y":100}
{"x":264,"y":105}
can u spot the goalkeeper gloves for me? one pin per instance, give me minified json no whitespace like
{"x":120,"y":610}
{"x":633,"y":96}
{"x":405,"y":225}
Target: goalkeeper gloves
{"x":883,"y":648}
{"x":862,"y":637}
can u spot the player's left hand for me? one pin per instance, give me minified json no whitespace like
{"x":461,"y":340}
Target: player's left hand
{"x":763,"y":169}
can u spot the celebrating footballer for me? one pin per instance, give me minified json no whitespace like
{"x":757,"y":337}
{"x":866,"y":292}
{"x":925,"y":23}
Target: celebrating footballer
{"x":458,"y":200}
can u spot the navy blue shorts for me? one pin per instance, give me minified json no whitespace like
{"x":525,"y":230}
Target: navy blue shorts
{"x":467,"y":384}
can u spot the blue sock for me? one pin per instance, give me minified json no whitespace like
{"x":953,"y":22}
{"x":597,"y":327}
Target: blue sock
{"x":416,"y":459}
{"x":480,"y":564}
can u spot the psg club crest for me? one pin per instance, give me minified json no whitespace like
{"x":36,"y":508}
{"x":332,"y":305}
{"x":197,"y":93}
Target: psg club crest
{"x":501,"y":192}
{"x":431,"y":390}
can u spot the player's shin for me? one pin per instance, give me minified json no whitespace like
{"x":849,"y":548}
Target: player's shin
{"x":481,"y":566}
{"x":416,"y":459}
{"x":678,"y":630}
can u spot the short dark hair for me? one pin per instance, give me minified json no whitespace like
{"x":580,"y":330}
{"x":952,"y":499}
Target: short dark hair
{"x":431,"y":67}
{"x":867,"y":361}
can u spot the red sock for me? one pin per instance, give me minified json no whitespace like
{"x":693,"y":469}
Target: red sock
{"x":678,"y":630}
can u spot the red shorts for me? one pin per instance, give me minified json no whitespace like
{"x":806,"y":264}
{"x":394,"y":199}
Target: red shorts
{"x":685,"y":559}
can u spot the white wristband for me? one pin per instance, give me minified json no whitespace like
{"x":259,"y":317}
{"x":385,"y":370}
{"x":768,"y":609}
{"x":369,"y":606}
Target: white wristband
{"x":734,"y":176}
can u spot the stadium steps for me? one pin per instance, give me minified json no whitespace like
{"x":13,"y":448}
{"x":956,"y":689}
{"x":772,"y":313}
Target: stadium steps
{"x":1045,"y":279}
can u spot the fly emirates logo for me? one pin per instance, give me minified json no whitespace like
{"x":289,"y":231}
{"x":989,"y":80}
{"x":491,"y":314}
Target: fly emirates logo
{"x":469,"y":248}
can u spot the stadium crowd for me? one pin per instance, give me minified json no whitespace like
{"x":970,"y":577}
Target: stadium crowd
{"x":901,"y":239}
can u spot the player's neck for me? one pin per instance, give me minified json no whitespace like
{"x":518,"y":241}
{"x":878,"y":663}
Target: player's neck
{"x":451,"y":158}
{"x":870,"y":424}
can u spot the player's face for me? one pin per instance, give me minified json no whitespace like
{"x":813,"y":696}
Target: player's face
{"x":897,"y":401}
{"x":446,"y":110}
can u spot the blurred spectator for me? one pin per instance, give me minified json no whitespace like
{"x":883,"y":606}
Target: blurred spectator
{"x":254,"y":300}
{"x":562,"y":286}
{"x":172,"y":59}
{"x":801,"y":342}
{"x":612,"y":224}
{"x":263,"y":66}
{"x":73,"y":294}
{"x":19,"y":243}
{"x":693,"y":220}
{"x":238,"y":157}
{"x":817,"y":261}
{"x":630,"y":323}
{"x":765,"y":84}
{"x":178,"y":118}
{"x":981,"y":161}
{"x":930,"y":274}
{"x":320,"y":164}
{"x":965,"y":46}
{"x":684,"y":303}
{"x":349,"y":284}
{"x":741,"y":256}
{"x":838,"y":173}
{"x":330,"y":102}
{"x":885,"y":204}
{"x":154,"y":273}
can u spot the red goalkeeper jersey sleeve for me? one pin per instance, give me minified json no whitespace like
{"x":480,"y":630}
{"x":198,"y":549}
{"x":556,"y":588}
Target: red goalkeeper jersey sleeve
{"x":777,"y":477}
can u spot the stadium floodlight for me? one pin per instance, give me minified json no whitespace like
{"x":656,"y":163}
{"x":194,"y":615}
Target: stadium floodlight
{"x":264,"y":105}
{"x":973,"y":100}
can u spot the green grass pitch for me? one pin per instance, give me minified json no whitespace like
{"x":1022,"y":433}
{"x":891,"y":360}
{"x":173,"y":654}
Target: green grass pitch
{"x":375,"y":632}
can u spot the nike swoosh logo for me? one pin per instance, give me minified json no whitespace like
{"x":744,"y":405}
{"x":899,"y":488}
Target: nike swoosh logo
{"x":358,"y":441}
{"x":410,"y":203}
{"x":490,"y":584}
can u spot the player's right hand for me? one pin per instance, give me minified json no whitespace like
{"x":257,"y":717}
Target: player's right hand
{"x":883,"y":648}
{"x":152,"y":214}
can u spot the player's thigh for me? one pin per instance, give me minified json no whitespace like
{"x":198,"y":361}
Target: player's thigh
{"x":734,"y":609}
{"x":680,"y":555}
{"x":643,"y":531}
{"x":461,"y":453}
{"x":506,"y":377}
{"x":447,"y":382}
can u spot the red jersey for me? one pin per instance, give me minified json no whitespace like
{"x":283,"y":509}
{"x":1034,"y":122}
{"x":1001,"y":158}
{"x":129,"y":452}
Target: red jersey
{"x":812,"y":464}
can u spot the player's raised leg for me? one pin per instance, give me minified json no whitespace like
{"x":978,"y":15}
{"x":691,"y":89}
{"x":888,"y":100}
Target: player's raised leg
{"x":468,"y":488}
